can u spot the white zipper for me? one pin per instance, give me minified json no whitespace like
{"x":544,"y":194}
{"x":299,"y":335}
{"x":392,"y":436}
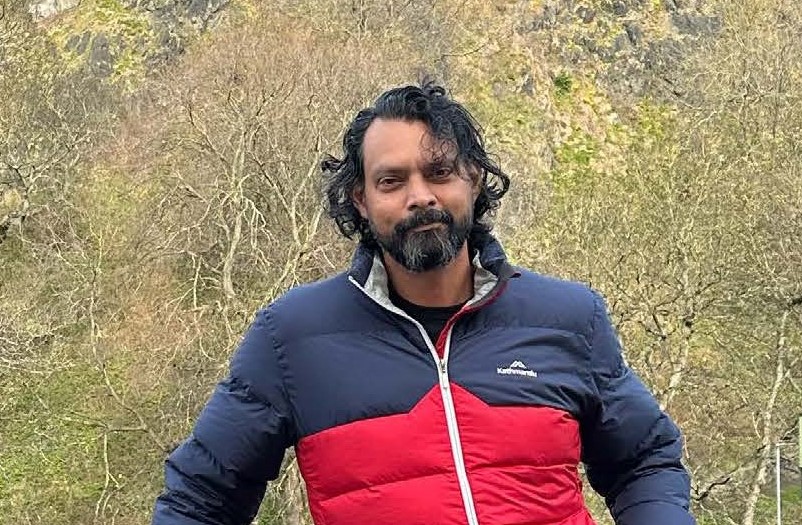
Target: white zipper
{"x":453,"y":430}
{"x":448,"y":403}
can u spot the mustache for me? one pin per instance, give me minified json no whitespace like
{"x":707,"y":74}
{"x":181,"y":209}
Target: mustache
{"x":423,"y":218}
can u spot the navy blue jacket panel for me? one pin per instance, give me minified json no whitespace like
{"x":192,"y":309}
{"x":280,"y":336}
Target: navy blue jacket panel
{"x":332,"y":363}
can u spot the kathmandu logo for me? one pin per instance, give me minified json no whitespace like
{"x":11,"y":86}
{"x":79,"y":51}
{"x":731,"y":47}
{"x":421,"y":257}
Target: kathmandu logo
{"x":517,"y":368}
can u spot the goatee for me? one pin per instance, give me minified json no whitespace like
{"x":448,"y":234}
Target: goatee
{"x":420,"y":251}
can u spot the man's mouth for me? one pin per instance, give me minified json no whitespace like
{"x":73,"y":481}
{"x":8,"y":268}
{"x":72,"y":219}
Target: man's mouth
{"x":429,"y":226}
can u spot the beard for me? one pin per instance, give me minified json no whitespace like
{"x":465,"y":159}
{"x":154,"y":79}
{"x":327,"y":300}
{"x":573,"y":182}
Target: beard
{"x":420,"y":251}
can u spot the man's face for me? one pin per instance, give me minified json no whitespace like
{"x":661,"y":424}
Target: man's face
{"x":417,"y":199}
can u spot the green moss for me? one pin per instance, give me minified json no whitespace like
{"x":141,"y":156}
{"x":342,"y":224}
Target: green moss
{"x":563,"y":84}
{"x":51,"y":454}
{"x":510,"y":119}
{"x":576,"y":152}
{"x":110,"y":197}
{"x":15,"y":261}
{"x":129,"y":68}
{"x":129,"y":31}
{"x":49,"y":457}
{"x":574,"y":164}
{"x":513,"y":120}
{"x":109,"y":16}
{"x":767,"y":505}
{"x":654,"y":120}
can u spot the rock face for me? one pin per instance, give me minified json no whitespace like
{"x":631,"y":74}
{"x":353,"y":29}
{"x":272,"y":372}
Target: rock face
{"x":174,"y":19}
{"x":171,"y":24}
{"x":101,"y":62}
{"x":616,"y":38}
{"x":610,"y":38}
{"x":48,"y":8}
{"x":695,"y":24}
{"x":79,"y":43}
{"x":199,"y":12}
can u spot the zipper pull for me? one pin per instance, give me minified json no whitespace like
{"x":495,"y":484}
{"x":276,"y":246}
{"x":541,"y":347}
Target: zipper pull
{"x":443,"y":374}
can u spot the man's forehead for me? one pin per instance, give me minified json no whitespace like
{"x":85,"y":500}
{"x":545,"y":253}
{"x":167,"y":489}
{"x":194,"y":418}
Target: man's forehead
{"x":387,"y":138}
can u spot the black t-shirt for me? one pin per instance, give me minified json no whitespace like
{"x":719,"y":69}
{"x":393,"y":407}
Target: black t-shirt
{"x":432,"y":318}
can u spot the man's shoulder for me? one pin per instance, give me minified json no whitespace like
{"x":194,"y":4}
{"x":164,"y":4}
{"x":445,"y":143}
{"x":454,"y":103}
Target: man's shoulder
{"x":331,"y":293}
{"x":315,"y":307}
{"x":554,"y":301}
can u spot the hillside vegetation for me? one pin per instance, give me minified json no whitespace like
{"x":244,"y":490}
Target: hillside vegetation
{"x":159,"y":183}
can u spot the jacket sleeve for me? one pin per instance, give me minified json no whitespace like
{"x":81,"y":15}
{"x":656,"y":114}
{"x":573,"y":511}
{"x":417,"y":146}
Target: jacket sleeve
{"x":631,"y":448}
{"x":219,"y":475}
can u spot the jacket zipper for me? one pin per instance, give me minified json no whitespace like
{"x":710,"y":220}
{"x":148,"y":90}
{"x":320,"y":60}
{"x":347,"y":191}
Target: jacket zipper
{"x":444,"y":345}
{"x":453,"y":429}
{"x":441,"y":364}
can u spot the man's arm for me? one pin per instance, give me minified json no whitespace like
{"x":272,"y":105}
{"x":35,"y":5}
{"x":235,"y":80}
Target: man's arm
{"x":631,"y":448}
{"x":218,"y":476}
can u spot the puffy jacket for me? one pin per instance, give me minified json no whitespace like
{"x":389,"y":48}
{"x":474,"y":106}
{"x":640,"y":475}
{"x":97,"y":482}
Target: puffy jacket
{"x":487,"y":425}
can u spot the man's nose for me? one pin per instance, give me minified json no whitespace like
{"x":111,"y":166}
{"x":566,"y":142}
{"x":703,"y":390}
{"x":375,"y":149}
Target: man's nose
{"x":420,"y":194}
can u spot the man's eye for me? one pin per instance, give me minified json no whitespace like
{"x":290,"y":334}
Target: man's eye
{"x":387,"y":182}
{"x":443,"y":172}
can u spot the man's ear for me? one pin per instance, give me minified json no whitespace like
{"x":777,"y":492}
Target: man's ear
{"x":358,"y":197}
{"x":476,"y":180}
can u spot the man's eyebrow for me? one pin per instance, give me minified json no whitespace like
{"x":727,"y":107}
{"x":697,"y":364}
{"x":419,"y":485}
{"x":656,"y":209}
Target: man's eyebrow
{"x":442,"y":161}
{"x":388,"y":170}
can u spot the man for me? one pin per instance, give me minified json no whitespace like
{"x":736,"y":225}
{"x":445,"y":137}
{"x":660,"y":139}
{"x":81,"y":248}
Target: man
{"x":431,"y":383}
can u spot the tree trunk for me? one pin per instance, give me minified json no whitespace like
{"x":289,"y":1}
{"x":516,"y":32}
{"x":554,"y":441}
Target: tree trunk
{"x":766,"y":444}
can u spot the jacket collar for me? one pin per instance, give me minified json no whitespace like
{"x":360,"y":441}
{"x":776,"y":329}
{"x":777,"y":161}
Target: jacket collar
{"x":488,"y":258}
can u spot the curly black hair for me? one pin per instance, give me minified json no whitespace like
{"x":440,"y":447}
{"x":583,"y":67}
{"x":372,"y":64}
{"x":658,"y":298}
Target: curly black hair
{"x":446,"y":119}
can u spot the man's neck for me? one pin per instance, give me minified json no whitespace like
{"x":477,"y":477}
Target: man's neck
{"x":447,"y":286}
